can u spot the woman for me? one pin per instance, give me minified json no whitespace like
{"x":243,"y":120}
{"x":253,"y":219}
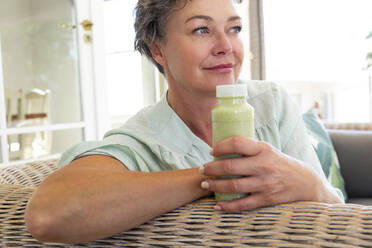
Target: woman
{"x":151,"y":164}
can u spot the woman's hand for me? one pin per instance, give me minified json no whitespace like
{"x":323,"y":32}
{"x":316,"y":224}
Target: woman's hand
{"x":270,"y":176}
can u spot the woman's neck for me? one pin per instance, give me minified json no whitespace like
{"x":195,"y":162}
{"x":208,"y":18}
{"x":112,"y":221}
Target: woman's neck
{"x":195,"y":111}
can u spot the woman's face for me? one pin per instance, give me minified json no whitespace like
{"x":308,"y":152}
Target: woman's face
{"x":202,"y":47}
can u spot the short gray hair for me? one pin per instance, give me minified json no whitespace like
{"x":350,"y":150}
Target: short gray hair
{"x":151,"y":17}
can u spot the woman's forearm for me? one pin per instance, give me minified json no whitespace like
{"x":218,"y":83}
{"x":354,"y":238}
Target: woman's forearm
{"x":84,"y":203}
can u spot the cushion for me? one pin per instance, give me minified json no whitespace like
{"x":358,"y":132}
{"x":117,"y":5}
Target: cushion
{"x":324,"y":149}
{"x":353,"y":148}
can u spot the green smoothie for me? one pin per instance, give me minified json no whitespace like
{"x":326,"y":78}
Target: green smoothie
{"x":231,"y":117}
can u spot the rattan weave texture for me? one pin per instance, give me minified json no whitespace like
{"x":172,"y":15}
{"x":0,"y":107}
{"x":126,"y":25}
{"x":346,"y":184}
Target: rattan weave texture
{"x":301,"y":224}
{"x":28,"y":174}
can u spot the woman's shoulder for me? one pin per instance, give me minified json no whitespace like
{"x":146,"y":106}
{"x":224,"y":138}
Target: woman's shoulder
{"x":266,"y":97}
{"x":150,"y":120}
{"x":262,"y":88}
{"x":275,"y":113}
{"x":270,"y":101}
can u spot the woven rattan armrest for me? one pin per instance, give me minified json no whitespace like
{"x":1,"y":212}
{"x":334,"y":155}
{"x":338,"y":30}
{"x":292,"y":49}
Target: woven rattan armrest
{"x":30,"y":174}
{"x":300,"y":224}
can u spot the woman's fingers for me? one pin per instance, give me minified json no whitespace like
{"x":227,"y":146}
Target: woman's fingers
{"x":234,"y":185}
{"x":238,"y":145}
{"x":245,"y":166}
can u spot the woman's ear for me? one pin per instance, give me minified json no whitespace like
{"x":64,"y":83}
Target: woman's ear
{"x":157,"y":53}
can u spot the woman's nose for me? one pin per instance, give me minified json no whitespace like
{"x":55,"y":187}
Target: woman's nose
{"x":223,"y":45}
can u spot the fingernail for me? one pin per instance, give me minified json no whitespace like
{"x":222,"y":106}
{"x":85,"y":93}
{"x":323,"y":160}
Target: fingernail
{"x":205,"y":185}
{"x":201,"y":169}
{"x":218,"y":208}
{"x":211,"y":152}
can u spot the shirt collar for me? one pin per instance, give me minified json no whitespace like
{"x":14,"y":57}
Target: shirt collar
{"x":175,"y":125}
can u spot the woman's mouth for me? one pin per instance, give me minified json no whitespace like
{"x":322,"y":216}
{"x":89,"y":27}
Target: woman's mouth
{"x":221,"y":68}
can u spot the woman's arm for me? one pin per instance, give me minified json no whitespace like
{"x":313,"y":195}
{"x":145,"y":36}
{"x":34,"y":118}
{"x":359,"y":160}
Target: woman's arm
{"x":96,"y":196}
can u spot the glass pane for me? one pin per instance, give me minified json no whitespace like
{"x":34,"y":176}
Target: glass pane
{"x":41,"y":144}
{"x":40,"y":62}
{"x":1,"y":154}
{"x":119,"y":25}
{"x":318,"y":50}
{"x":125,"y":88}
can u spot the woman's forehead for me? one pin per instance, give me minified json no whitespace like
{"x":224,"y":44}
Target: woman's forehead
{"x":220,"y":8}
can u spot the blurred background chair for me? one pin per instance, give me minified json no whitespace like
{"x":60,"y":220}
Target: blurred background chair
{"x":13,"y":103}
{"x":25,"y":110}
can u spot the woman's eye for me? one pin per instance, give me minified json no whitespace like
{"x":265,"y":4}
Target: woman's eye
{"x":236,"y":29}
{"x":201,"y":30}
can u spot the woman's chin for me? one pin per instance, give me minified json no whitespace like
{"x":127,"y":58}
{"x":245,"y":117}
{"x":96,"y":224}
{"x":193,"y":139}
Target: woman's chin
{"x":221,"y":82}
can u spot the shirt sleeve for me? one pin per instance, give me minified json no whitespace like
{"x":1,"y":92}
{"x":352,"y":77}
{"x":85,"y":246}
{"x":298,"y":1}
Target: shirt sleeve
{"x":295,"y":140}
{"x":122,"y":153}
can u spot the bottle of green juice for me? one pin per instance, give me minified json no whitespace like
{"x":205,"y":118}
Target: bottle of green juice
{"x":231,"y":117}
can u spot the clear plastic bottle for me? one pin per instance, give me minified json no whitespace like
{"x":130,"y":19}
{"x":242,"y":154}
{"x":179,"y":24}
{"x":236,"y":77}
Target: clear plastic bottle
{"x":231,"y":117}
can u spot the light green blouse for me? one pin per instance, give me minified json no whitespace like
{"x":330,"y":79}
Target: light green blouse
{"x":157,"y":139}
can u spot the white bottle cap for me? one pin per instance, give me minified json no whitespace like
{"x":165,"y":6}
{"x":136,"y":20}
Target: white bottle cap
{"x":231,"y":90}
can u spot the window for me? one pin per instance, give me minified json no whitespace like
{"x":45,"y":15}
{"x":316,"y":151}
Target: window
{"x":317,"y":50}
{"x":129,"y":76}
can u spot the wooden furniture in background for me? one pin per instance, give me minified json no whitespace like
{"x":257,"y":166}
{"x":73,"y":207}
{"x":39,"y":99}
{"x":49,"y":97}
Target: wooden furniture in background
{"x":349,"y":125}
{"x":25,"y":110}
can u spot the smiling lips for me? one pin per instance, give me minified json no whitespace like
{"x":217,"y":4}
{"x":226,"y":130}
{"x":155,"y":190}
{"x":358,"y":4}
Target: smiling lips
{"x":221,"y":68}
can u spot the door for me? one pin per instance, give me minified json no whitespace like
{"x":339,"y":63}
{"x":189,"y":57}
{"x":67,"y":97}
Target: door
{"x":45,"y":78}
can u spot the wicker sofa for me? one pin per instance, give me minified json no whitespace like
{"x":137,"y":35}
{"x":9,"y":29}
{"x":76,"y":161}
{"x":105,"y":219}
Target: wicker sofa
{"x":299,"y":224}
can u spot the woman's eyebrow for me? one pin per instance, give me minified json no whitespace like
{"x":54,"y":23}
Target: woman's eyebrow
{"x":208,"y":18}
{"x":204,"y":17}
{"x":234,"y":18}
